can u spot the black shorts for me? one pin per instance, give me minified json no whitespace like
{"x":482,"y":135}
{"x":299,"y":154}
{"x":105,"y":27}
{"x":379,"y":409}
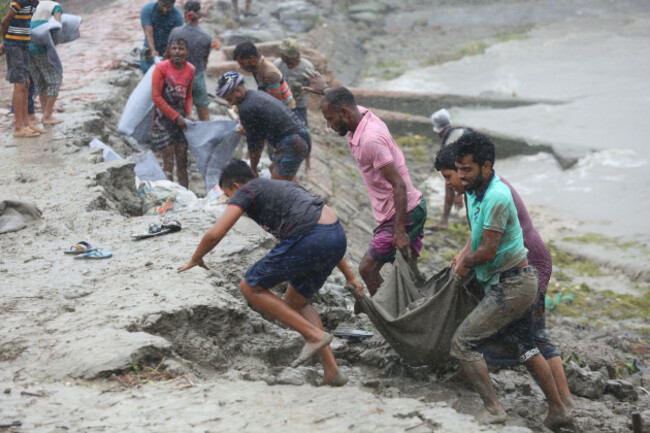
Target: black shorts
{"x":161,"y":140}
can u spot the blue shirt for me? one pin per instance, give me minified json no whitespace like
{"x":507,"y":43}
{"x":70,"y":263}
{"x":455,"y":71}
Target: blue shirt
{"x":493,"y":208}
{"x":162,"y":24}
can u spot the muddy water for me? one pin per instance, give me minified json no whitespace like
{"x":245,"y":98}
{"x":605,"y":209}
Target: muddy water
{"x":599,"y":67}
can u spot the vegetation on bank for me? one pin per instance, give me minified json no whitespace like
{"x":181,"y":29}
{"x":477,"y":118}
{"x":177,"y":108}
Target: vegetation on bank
{"x":4,"y":7}
{"x":476,"y":48}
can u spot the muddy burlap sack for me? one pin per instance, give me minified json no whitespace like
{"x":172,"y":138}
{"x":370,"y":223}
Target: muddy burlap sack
{"x":212,"y":144}
{"x":419,"y":322}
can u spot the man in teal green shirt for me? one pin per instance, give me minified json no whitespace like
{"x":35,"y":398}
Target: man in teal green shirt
{"x":498,"y":257}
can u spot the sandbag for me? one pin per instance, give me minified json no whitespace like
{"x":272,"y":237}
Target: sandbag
{"x":69,"y":28}
{"x":44,"y":35}
{"x":419,"y":322}
{"x":212,"y":144}
{"x":16,"y":215}
{"x":137,"y":117}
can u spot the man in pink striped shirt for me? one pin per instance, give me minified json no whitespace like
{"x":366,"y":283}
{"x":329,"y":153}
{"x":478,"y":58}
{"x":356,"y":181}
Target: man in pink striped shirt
{"x":398,"y":207}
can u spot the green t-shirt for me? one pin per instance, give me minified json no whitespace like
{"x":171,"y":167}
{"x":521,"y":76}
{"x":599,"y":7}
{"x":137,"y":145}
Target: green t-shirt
{"x":494,"y":209}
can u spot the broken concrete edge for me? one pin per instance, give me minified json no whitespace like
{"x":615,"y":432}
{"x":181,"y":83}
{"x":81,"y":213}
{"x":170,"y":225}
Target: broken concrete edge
{"x":419,"y":103}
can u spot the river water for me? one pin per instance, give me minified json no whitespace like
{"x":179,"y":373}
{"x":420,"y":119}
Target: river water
{"x":599,"y":68}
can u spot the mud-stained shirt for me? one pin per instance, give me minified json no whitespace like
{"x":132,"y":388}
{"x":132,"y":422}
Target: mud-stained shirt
{"x":19,"y":32}
{"x":282,"y":208}
{"x":494,"y":209}
{"x":171,"y":90}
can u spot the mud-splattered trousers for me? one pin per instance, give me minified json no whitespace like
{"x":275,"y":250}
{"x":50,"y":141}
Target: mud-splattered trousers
{"x":505,"y":310}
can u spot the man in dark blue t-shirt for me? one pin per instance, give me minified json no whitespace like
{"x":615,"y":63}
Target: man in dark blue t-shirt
{"x":312,"y":243}
{"x":158,"y":19}
{"x":264,"y":118}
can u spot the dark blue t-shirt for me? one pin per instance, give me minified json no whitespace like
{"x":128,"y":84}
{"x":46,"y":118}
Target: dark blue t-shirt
{"x":282,"y":208}
{"x":162,"y":24}
{"x":266,"y":118}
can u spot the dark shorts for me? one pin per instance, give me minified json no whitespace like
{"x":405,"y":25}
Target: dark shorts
{"x":17,"y":63}
{"x":381,"y":246}
{"x":161,"y":140}
{"x":305,"y":261}
{"x":495,"y":349}
{"x":290,"y":152}
{"x":505,"y":313}
{"x":200,"y":91}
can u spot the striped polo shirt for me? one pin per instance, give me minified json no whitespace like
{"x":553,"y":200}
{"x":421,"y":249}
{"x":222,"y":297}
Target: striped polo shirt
{"x":19,"y":27}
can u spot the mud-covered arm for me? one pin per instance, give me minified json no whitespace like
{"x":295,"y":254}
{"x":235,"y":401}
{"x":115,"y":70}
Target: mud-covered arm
{"x":465,"y":251}
{"x":213,"y":236}
{"x":350,"y":278}
{"x":486,"y":252}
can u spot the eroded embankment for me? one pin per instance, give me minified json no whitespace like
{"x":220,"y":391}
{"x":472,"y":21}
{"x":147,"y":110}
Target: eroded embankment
{"x":407,"y":114}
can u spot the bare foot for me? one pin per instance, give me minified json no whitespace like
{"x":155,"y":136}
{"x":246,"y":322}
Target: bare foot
{"x":51,"y":121}
{"x":438,"y":227}
{"x":569,"y":403}
{"x":487,"y":417}
{"x":339,"y":379}
{"x":557,"y":419}
{"x":310,"y":349}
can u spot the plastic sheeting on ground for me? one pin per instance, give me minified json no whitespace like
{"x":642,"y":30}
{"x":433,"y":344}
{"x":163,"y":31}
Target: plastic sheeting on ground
{"x":16,"y":215}
{"x":212,"y":144}
{"x":137,"y":117}
{"x":419,"y":322}
{"x":146,"y":165}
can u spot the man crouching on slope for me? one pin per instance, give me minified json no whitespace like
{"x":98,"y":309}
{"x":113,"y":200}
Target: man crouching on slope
{"x":312,"y":243}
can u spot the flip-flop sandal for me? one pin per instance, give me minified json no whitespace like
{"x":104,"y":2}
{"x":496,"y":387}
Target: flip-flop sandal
{"x":82,"y":247}
{"x":170,"y":226}
{"x":354,"y":334}
{"x":96,"y":255}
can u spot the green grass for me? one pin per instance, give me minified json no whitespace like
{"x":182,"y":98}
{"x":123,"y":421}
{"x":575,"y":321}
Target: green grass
{"x":478,"y":47}
{"x":565,"y":260}
{"x":4,"y":7}
{"x":417,"y":146}
{"x":596,"y":238}
{"x":473,"y":49}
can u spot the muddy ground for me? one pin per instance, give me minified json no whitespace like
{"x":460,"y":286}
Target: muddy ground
{"x":127,"y":344}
